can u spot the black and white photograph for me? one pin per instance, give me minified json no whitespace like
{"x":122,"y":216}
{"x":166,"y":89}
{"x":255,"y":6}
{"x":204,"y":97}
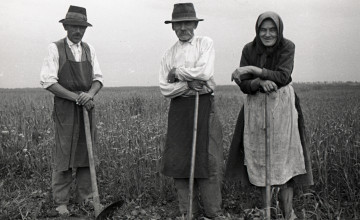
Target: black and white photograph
{"x":180,"y":109}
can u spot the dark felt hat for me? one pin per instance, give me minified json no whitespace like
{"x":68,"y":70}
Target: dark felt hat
{"x":76,"y":16}
{"x":183,"y":12}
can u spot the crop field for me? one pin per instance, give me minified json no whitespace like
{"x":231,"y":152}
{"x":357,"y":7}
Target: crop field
{"x":131,"y":129}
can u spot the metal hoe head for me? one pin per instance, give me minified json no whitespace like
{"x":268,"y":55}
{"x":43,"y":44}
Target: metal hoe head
{"x":109,"y":210}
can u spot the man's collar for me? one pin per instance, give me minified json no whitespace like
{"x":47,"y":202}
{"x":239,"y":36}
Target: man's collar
{"x":191,"y":41}
{"x":70,"y":43}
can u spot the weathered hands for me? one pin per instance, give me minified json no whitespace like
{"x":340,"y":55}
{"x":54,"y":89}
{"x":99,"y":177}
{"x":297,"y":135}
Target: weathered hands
{"x":196,"y":85}
{"x":244,"y":72}
{"x":83,"y":98}
{"x":171,"y":76}
{"x":89,"y":105}
{"x":238,"y":72}
{"x":235,"y":76}
{"x":268,"y":86}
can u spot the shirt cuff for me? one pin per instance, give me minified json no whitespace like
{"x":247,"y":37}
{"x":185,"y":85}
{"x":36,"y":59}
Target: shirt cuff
{"x":46,"y":85}
{"x":99,"y":79}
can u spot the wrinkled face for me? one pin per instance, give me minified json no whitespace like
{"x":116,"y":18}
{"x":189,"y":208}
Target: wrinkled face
{"x":184,"y":29}
{"x":75,"y":32}
{"x":268,"y":33}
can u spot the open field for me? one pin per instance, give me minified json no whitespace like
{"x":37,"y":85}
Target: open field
{"x":131,"y":128}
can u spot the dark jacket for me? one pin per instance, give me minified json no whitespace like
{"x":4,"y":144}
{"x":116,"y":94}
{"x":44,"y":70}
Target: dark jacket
{"x":277,"y":68}
{"x":277,"y":63}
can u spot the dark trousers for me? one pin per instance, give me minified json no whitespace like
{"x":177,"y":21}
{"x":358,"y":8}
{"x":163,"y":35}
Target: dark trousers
{"x":61,"y":185}
{"x":208,"y":189}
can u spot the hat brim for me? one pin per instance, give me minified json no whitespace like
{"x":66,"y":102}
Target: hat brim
{"x":183,"y":19}
{"x":75,"y":22}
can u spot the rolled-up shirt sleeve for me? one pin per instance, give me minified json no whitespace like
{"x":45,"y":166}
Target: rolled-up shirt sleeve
{"x":50,"y":67}
{"x":97,"y":74}
{"x":170,"y":90}
{"x":204,"y":66}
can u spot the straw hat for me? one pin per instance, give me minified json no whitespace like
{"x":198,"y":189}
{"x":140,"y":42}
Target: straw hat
{"x":76,"y":16}
{"x":183,"y":12}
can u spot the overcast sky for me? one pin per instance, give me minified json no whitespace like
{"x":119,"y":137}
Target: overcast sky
{"x":130,"y":37}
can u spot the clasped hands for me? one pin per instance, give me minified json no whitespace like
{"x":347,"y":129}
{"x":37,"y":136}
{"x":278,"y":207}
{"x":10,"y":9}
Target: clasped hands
{"x":196,"y":85}
{"x":86,"y":100}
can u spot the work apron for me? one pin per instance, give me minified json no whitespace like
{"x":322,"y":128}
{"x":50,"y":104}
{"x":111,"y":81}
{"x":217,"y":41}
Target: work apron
{"x":286,"y":155}
{"x":70,"y":149}
{"x":176,"y":161}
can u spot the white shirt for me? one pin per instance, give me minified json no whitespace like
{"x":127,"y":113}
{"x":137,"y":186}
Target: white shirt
{"x":193,"y":60}
{"x":50,"y":67}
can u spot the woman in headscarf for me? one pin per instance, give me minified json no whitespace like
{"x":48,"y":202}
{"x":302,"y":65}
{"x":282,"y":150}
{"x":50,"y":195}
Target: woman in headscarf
{"x":265,"y":76}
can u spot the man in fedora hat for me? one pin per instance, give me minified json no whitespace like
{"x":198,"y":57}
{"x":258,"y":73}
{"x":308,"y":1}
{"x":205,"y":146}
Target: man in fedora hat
{"x":187,"y":68}
{"x":72,"y":73}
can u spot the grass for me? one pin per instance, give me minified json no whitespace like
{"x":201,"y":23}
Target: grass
{"x":131,"y":129}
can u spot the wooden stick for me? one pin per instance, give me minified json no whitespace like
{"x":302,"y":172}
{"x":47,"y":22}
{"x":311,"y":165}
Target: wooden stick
{"x":94,"y":186}
{"x":193,"y":154}
{"x":267,"y":160}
